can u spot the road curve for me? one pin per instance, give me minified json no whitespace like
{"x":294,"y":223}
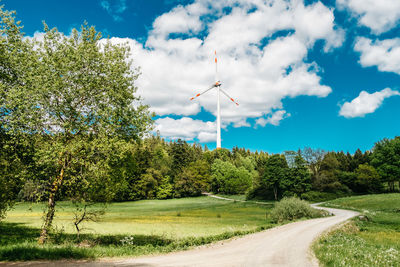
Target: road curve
{"x":287,"y":245}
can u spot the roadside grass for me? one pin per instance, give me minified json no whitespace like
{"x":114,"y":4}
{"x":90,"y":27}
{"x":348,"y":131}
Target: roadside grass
{"x":243,"y":198}
{"x":374,"y":241}
{"x":129,"y":228}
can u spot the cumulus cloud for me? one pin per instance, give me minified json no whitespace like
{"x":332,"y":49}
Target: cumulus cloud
{"x":365,"y":103}
{"x":383,"y":54}
{"x":274,"y":119}
{"x":186,"y":129}
{"x":378,"y":15}
{"x":262,"y":47}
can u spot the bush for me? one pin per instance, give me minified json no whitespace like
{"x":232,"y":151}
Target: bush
{"x":289,"y":209}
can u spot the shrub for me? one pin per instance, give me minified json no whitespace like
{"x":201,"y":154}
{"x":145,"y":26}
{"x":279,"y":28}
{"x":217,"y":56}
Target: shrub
{"x":289,"y":209}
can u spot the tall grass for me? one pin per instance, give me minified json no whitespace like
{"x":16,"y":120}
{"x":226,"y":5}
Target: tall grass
{"x":370,"y":241}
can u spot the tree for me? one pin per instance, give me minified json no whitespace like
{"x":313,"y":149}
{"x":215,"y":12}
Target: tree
{"x":314,"y":158}
{"x":193,"y":180}
{"x":300,"y":176}
{"x":79,"y":100}
{"x":15,"y":150}
{"x":85,"y":212}
{"x":276,"y":170}
{"x":328,"y":179}
{"x":228,"y":179}
{"x":181,"y":156}
{"x":368,"y":180}
{"x":386,"y":159}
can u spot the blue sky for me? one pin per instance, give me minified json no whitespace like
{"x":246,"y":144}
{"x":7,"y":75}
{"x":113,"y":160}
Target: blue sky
{"x":324,"y":74}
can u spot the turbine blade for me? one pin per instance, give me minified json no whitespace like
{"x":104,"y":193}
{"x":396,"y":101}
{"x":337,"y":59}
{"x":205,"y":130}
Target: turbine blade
{"x":233,"y":100}
{"x":216,"y":66}
{"x":205,"y":91}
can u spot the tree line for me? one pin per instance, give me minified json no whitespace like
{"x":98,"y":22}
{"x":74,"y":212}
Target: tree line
{"x":153,"y":168}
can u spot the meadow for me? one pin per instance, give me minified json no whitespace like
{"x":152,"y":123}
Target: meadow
{"x":129,"y":228}
{"x":371,"y":241}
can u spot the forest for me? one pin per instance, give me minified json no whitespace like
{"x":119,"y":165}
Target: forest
{"x":153,"y":168}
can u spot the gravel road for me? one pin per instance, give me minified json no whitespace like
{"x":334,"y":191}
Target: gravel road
{"x":287,"y":245}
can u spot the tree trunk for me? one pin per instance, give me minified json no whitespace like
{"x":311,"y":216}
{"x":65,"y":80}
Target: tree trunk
{"x":276,"y":192}
{"x":51,"y":207}
{"x":391,"y":186}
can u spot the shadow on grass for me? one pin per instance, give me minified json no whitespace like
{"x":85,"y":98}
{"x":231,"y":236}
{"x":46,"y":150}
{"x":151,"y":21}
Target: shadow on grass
{"x":35,"y":252}
{"x":19,"y":243}
{"x":13,"y":233}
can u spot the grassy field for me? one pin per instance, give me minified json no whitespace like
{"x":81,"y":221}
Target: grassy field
{"x":372,"y":242}
{"x":129,"y":228}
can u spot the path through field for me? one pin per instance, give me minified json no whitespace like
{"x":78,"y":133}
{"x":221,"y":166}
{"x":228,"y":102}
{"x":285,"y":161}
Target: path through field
{"x":287,"y":245}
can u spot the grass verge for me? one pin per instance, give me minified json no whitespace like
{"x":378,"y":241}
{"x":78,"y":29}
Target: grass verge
{"x":373,"y":240}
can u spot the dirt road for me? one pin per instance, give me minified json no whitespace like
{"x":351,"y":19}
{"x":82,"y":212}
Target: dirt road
{"x":287,"y":245}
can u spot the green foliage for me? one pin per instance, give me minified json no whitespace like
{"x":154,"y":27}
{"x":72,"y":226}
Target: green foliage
{"x":165,"y":189}
{"x":276,"y":172}
{"x":315,"y":196}
{"x":193,"y":180}
{"x":228,"y":179}
{"x":289,"y":209}
{"x":14,"y":152}
{"x":75,"y":99}
{"x":368,"y":180}
{"x":386,"y":159}
{"x":299,"y":179}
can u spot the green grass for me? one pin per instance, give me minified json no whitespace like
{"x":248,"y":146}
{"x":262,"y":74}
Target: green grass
{"x":129,"y":228}
{"x":243,"y":198}
{"x":375,"y":242}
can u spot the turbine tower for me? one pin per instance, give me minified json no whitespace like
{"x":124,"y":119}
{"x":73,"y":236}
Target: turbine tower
{"x":217,"y":85}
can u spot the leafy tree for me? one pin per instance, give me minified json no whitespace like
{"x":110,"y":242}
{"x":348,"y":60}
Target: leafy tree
{"x":181,"y":156}
{"x":146,"y":186}
{"x":15,"y":150}
{"x":80,"y":100}
{"x":228,"y":179}
{"x":344,"y":162}
{"x":193,"y":180}
{"x":300,"y":176}
{"x":276,"y":170}
{"x":368,"y":180}
{"x":386,"y":159}
{"x":314,"y":158}
{"x":165,"y":189}
{"x":328,"y":180}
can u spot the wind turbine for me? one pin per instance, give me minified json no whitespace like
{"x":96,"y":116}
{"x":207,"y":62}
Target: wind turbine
{"x":217,"y":85}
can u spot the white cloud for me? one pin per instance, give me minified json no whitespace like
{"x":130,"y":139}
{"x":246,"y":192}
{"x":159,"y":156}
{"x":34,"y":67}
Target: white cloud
{"x":177,"y":60}
{"x":383,"y":54}
{"x":179,"y":20}
{"x":255,"y":70}
{"x":379,"y":15}
{"x":274,"y":119}
{"x":186,"y":129}
{"x":365,"y":103}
